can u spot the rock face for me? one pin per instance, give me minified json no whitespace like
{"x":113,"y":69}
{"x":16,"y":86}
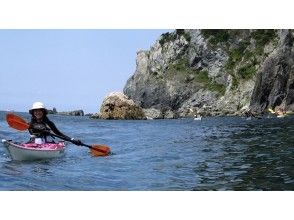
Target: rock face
{"x":214,"y":72}
{"x":118,"y":106}
{"x":275,"y":82}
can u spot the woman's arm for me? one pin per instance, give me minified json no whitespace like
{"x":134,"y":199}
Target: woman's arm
{"x":55,"y":129}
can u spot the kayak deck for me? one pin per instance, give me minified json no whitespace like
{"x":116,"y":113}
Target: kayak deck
{"x":32,"y":151}
{"x":46,"y":146}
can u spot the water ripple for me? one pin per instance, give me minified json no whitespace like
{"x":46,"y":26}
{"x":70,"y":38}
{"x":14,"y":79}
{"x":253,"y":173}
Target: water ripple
{"x":228,"y":153}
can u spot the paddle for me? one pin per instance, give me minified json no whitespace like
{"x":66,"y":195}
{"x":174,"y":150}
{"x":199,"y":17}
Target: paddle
{"x":20,"y":124}
{"x":96,"y":150}
{"x":16,"y":122}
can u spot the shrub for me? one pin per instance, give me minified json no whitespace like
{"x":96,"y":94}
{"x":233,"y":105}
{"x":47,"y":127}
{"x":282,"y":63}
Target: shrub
{"x":168,"y":37}
{"x":263,"y":37}
{"x":216,"y":36}
{"x":208,"y":83}
{"x":247,"y":72}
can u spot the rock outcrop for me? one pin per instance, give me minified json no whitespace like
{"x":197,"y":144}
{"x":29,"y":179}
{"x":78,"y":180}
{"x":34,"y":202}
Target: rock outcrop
{"x":118,"y":106}
{"x":53,"y":111}
{"x":214,"y":72}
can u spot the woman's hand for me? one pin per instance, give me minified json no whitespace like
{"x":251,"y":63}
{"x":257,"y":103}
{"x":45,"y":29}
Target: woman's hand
{"x":76,"y":142}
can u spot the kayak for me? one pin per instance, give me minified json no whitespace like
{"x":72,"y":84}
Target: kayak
{"x":32,"y":151}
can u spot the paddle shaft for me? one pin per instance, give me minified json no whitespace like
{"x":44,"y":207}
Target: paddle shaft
{"x":68,"y":139}
{"x":82,"y":144}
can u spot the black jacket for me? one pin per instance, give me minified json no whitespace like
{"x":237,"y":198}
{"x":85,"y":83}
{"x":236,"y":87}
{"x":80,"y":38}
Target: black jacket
{"x":41,"y":129}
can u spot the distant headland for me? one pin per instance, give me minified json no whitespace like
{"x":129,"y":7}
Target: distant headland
{"x":68,"y":113}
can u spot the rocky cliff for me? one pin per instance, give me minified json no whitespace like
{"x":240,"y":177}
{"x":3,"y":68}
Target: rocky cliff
{"x":215,"y":72}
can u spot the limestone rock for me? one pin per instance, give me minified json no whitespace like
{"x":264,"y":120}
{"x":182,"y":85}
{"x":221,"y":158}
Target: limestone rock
{"x":153,"y":113}
{"x":118,"y":106}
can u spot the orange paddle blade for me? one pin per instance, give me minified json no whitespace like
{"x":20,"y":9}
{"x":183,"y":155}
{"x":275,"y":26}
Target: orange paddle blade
{"x":16,"y":122}
{"x":100,"y":150}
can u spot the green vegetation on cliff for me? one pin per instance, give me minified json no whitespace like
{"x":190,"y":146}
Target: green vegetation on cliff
{"x":244,"y":57}
{"x":168,"y":37}
{"x":263,"y":37}
{"x":245,"y":50}
{"x":216,"y":36}
{"x":210,"y":84}
{"x":181,"y":71}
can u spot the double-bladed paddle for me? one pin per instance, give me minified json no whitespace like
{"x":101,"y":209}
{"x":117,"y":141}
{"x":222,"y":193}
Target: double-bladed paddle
{"x":20,"y":124}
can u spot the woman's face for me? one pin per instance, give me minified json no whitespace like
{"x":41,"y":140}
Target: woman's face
{"x":38,"y":113}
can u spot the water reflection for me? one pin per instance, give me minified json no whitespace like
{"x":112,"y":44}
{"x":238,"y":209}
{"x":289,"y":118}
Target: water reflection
{"x":26,"y":175}
{"x":255,"y":156}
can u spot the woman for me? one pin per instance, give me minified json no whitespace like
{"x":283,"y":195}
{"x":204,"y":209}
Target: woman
{"x":41,"y":126}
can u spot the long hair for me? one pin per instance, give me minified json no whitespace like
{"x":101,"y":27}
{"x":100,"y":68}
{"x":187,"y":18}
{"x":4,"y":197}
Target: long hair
{"x":44,"y":118}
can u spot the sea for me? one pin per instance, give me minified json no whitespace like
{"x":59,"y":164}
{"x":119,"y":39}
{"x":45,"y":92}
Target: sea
{"x":215,"y":153}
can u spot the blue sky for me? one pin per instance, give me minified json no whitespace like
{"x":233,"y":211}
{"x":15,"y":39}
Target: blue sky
{"x":67,"y":69}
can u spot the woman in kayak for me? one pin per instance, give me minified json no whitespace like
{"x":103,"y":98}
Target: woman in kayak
{"x":41,"y":126}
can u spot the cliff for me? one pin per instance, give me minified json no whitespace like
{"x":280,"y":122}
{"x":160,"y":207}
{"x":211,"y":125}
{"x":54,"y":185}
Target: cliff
{"x":215,"y":72}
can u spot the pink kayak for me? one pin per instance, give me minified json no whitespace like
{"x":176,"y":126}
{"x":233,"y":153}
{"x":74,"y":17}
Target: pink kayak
{"x":32,"y":151}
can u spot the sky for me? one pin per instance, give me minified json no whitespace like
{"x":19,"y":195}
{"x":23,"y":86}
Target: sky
{"x":68,"y":69}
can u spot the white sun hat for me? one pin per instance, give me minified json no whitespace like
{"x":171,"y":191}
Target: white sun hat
{"x":38,"y":105}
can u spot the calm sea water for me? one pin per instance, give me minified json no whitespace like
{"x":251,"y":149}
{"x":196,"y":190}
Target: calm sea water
{"x":225,"y":153}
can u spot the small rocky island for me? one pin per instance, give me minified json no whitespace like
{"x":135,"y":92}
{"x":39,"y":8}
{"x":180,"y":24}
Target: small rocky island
{"x":69,"y":113}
